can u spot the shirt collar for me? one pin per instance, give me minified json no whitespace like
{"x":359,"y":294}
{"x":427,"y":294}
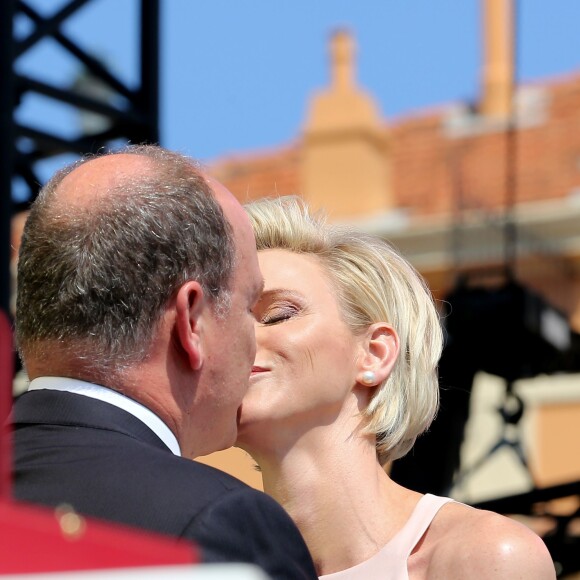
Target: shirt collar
{"x":114,"y":398}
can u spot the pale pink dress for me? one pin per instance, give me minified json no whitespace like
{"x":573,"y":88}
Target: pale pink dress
{"x":391,"y":562}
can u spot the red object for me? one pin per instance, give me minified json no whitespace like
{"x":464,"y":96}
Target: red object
{"x":34,"y":539}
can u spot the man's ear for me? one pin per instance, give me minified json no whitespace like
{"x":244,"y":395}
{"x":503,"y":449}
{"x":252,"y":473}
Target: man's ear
{"x":380,"y":352}
{"x":189,"y":304}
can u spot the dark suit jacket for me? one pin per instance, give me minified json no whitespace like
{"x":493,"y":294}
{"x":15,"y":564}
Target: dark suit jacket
{"x":107,"y":464}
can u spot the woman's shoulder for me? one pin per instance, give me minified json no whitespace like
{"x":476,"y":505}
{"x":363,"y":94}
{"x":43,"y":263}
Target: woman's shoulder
{"x":469,"y":543}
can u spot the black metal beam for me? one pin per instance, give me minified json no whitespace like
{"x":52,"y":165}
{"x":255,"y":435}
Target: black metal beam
{"x":45,"y":26}
{"x":150,"y":39}
{"x":24,"y":84}
{"x":523,"y":503}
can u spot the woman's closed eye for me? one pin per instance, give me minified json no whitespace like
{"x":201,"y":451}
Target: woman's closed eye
{"x":278,"y":313}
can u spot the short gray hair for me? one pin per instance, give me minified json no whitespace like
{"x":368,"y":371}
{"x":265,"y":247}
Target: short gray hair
{"x":374,"y":283}
{"x":95,"y":281}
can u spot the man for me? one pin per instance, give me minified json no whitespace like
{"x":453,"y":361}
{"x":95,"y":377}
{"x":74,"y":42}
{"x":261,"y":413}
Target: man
{"x":136,"y":281}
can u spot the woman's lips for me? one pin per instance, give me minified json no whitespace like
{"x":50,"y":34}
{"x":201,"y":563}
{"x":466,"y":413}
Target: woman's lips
{"x":258,"y":369}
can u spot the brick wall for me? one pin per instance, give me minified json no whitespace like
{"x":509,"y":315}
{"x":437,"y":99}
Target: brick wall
{"x":261,"y":175}
{"x":434,"y":171}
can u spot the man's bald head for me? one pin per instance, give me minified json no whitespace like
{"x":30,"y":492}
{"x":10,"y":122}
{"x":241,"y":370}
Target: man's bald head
{"x":107,"y":243}
{"x":93,"y":180}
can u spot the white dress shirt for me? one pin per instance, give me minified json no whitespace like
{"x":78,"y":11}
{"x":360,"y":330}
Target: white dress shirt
{"x":114,"y":398}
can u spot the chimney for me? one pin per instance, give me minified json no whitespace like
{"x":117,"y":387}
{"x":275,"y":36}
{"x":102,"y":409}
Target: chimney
{"x":498,"y":66}
{"x":344,"y":162}
{"x":342,"y":51}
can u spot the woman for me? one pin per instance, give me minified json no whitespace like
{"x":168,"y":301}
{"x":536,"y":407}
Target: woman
{"x":345,"y":379}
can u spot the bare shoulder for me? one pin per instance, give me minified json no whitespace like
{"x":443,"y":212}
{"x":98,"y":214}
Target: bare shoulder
{"x":469,"y":543}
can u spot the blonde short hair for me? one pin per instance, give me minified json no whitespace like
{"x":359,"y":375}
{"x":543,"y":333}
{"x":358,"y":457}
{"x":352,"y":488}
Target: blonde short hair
{"x":374,"y":283}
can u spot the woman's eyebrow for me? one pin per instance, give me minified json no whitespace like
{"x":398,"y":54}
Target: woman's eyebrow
{"x":281,"y":293}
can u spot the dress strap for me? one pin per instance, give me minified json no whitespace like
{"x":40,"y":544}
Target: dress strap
{"x":390,"y":563}
{"x":421,"y":518}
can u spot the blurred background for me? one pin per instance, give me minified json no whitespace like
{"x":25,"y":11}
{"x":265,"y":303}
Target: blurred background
{"x":450,"y":128}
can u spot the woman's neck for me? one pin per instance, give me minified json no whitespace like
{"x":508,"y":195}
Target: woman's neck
{"x":330,"y":482}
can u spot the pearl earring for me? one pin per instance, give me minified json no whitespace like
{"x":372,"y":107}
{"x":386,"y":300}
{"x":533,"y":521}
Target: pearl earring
{"x":369,"y":378}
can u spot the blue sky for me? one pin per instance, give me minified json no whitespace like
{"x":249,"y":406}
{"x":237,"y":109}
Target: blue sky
{"x":236,"y":75}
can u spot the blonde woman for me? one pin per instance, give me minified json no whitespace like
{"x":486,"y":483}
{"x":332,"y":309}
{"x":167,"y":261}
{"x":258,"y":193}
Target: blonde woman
{"x":345,"y":379}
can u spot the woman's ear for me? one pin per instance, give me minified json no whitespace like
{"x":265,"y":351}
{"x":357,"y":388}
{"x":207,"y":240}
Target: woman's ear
{"x":189,"y":304}
{"x":380,"y":352}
